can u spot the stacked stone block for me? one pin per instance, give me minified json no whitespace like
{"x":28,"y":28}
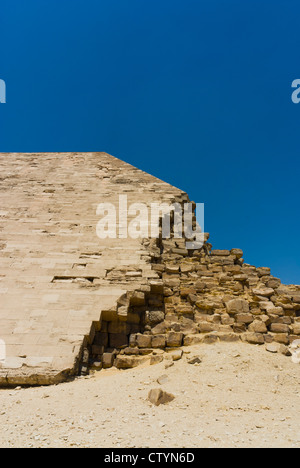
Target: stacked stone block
{"x":200,"y":296}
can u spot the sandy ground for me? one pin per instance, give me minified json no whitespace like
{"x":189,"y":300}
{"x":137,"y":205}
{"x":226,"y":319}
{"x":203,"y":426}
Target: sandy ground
{"x":239,"y":396}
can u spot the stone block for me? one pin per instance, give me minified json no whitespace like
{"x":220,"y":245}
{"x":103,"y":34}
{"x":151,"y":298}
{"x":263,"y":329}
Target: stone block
{"x":107,"y":360}
{"x":237,"y":306}
{"x":144,"y":341}
{"x":101,"y":339}
{"x":174,"y":339}
{"x":282,"y":338}
{"x":279,"y":328}
{"x":190,"y":340}
{"x":158,"y":341}
{"x":159,"y":397}
{"x":206,"y":327}
{"x":258,"y":327}
{"x":155,"y":317}
{"x":244,"y":318}
{"x":296,"y":329}
{"x":129,"y":362}
{"x":238,"y":253}
{"x":254,"y":338}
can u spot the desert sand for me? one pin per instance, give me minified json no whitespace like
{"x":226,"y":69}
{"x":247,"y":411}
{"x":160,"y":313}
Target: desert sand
{"x":238,"y":396}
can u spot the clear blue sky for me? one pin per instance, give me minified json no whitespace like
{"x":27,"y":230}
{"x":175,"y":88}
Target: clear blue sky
{"x":195,"y":92}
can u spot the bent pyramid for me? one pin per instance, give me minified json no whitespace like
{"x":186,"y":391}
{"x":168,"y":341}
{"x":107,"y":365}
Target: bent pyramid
{"x":71,"y":302}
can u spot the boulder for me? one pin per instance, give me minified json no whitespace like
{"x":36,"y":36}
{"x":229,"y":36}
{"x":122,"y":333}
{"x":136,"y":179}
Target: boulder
{"x":158,"y":397}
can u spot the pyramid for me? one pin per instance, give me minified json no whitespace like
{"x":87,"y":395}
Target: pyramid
{"x":72,"y":302}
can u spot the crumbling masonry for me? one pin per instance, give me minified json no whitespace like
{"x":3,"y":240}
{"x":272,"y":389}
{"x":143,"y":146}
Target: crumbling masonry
{"x":71,"y":303}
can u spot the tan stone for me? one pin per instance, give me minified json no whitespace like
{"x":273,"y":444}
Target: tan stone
{"x":190,"y":340}
{"x":159,"y":397}
{"x":206,"y":327}
{"x":158,"y":341}
{"x":237,"y":306}
{"x":244,"y":318}
{"x":107,"y":360}
{"x":129,"y":362}
{"x":296,"y":329}
{"x":254,"y":338}
{"x":258,"y":327}
{"x":280,"y":328}
{"x":174,"y":339}
{"x":144,"y":341}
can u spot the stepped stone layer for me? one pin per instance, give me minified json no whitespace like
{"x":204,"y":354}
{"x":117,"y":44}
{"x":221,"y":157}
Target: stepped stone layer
{"x":71,"y":303}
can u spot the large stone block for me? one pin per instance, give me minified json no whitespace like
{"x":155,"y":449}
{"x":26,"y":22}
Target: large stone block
{"x":158,"y":341}
{"x":237,"y":306}
{"x":144,"y":341}
{"x":244,"y":318}
{"x":174,"y":339}
{"x":107,"y":360}
{"x":280,"y":328}
{"x":258,"y":327}
{"x":254,"y":338}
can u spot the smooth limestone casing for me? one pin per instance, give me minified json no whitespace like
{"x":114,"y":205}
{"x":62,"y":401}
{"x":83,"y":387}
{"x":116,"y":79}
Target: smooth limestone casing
{"x":49,"y":251}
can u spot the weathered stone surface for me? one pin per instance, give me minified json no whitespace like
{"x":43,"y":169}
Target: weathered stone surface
{"x":228,"y":337}
{"x":107,"y":360}
{"x":206,"y":327}
{"x":237,"y":253}
{"x":267,"y":292}
{"x":220,"y":253}
{"x":254,"y":338}
{"x":280,"y":328}
{"x":137,"y":298}
{"x":273,"y":347}
{"x":244,"y":318}
{"x":174,"y":339}
{"x":155,"y":317}
{"x":296,"y":329}
{"x":282,"y":338}
{"x":144,"y":341}
{"x":191,"y":340}
{"x":258,"y":327}
{"x":237,"y":306}
{"x":175,"y":355}
{"x":129,"y":362}
{"x":158,"y":341}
